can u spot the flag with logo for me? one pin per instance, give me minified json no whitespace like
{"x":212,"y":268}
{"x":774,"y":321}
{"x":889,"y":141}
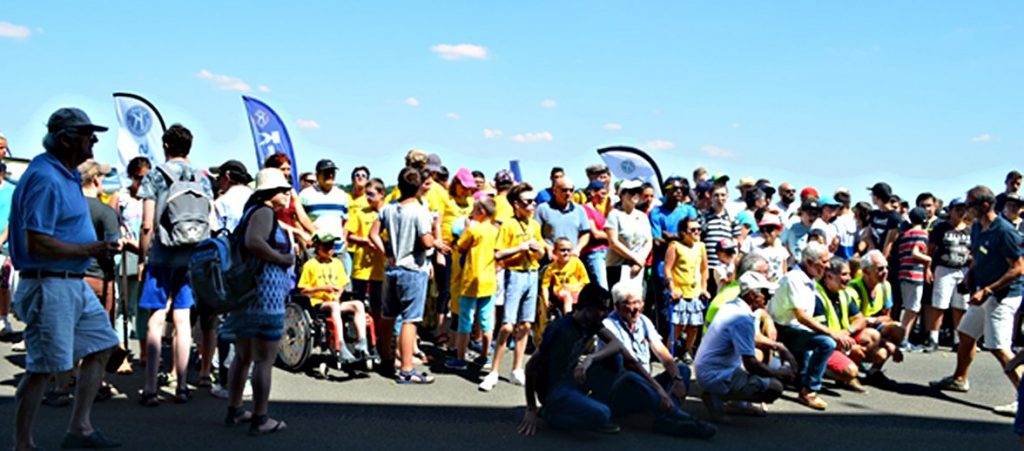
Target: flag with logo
{"x":141,"y":129}
{"x":629,"y":163}
{"x":269,"y":134}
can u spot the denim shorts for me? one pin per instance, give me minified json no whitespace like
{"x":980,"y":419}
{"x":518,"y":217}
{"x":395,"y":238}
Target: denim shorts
{"x":160,"y":283}
{"x":64,"y":322}
{"x":467,"y":313}
{"x":405,"y":294}
{"x":520,"y":297}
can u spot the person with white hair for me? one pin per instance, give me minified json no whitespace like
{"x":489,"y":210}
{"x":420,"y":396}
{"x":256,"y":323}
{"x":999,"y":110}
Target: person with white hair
{"x":792,"y":309}
{"x":727,"y":365}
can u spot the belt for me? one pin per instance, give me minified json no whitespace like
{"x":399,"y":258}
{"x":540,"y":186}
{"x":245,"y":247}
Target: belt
{"x":45,"y":274}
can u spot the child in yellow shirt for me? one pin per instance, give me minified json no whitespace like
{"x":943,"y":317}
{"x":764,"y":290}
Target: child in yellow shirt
{"x":323,"y":279}
{"x":565,"y":277}
{"x":367,"y":261}
{"x":479,"y":281}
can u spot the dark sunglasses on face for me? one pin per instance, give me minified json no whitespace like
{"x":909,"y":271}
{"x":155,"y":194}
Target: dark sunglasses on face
{"x":788,"y":191}
{"x":527,"y":201}
{"x":359,"y":175}
{"x":693,"y":229}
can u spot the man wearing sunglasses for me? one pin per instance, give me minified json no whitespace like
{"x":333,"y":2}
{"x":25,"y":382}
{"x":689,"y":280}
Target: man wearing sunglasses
{"x":794,"y":238}
{"x":994,"y":283}
{"x":327,"y":205}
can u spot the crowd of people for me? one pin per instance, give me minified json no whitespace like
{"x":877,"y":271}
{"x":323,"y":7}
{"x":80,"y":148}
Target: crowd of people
{"x":743,"y":297}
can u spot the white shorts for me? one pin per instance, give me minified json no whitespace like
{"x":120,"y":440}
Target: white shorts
{"x":912,"y":294}
{"x":944,"y":294}
{"x":499,"y":290}
{"x":993,"y":320}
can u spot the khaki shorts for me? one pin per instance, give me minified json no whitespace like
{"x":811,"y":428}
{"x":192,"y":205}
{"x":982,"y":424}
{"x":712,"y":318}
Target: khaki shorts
{"x":993,"y":320}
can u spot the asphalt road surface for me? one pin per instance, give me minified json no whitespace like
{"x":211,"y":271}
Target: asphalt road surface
{"x":376,"y":413}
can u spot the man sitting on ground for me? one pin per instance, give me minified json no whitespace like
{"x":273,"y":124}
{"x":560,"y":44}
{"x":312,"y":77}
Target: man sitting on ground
{"x":730,"y":341}
{"x":561,"y":377}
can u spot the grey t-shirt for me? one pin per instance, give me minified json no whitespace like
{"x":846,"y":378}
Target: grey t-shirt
{"x":634,"y":230}
{"x":152,"y":185}
{"x":405,"y":224}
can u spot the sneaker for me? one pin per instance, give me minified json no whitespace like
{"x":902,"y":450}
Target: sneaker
{"x":519,"y":377}
{"x":96,"y":440}
{"x":929,"y":347}
{"x":687,"y":358}
{"x":951,"y":383}
{"x":1008,"y":410}
{"x":476,"y":346}
{"x":880,"y":380}
{"x":489,"y":382}
{"x":907,"y":346}
{"x":18,"y":347}
{"x":5,"y":326}
{"x":219,"y":391}
{"x":456,"y":363}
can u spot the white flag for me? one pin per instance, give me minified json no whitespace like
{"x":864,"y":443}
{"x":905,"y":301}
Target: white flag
{"x":142,"y":129}
{"x":630,"y":163}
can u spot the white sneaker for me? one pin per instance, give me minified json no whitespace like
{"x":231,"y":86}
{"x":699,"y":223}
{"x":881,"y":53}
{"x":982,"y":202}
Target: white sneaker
{"x":519,"y":377}
{"x":1008,"y":410}
{"x":220,"y":391}
{"x":489,"y":381}
{"x":5,"y":326}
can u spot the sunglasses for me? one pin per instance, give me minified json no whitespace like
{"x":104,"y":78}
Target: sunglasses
{"x":360,"y":175}
{"x":693,"y":229}
{"x":567,"y":190}
{"x":565,"y":251}
{"x":527,"y":201}
{"x":788,"y":191}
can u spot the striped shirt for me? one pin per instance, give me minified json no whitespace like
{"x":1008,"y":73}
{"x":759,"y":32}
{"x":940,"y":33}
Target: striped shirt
{"x":717,"y":227}
{"x":328,"y":210}
{"x":912,"y":270}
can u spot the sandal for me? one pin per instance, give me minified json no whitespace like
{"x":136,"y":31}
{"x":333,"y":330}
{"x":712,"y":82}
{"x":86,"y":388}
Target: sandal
{"x":149,"y":400}
{"x":236,"y":416}
{"x":182,"y":395}
{"x":260,"y":420}
{"x":412,"y":377}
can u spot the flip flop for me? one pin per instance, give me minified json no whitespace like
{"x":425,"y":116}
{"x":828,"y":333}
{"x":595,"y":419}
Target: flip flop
{"x":260,"y":420}
{"x":236,"y":416}
{"x":413,"y":378}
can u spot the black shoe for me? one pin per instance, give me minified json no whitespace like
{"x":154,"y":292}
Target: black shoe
{"x":96,"y":440}
{"x":929,"y":346}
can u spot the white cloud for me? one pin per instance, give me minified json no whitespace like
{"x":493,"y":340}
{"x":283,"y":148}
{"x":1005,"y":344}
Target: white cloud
{"x":534,"y":137}
{"x":981,"y":138}
{"x":263,"y":88}
{"x":492,"y":133}
{"x":307,"y":123}
{"x":548,"y":103}
{"x":453,"y":116}
{"x":716,"y":152}
{"x":9,"y":30}
{"x":452,"y":52}
{"x":411,"y":101}
{"x":224,"y":82}
{"x":661,"y":144}
{"x":612,"y":126}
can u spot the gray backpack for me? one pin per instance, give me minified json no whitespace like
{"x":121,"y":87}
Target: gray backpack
{"x":183,"y":210}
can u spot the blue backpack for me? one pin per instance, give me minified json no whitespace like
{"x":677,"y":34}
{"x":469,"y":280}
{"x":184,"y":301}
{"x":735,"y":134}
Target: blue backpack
{"x":222,"y":273}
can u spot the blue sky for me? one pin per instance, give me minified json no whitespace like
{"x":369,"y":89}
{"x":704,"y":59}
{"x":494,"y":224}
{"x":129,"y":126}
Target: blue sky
{"x":829,"y":94}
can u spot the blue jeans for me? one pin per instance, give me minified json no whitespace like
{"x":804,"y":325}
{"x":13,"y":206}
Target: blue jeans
{"x":595,"y":264}
{"x":812,"y":350}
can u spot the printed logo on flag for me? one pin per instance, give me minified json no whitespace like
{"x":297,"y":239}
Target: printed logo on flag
{"x":261,"y":117}
{"x":627,"y":166}
{"x":138,"y":121}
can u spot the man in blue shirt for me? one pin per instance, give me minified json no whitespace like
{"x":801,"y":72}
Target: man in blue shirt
{"x":561,"y":218}
{"x":51,"y":241}
{"x":995,"y":286}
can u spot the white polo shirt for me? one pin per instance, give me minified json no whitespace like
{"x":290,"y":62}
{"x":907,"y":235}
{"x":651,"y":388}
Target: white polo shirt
{"x":796,"y":290}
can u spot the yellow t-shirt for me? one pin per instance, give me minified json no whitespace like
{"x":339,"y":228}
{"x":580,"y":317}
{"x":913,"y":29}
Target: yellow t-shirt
{"x":316,"y":273}
{"x":503,"y":211}
{"x":366,"y":264}
{"x":512,"y":234}
{"x":479,"y":277}
{"x":572,"y":276}
{"x":454,"y":211}
{"x":686,"y":271}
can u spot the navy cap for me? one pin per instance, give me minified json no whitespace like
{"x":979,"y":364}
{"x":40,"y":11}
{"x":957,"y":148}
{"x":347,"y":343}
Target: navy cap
{"x":596,"y":185}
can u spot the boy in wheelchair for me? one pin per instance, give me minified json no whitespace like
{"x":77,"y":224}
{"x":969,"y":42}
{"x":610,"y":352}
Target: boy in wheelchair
{"x":323,"y":280}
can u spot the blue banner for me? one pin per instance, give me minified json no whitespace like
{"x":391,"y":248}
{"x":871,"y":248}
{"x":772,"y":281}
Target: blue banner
{"x":269,"y":134}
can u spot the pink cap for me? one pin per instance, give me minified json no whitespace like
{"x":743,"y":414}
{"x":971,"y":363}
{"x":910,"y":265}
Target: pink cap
{"x":465,"y":177}
{"x":769,"y":220}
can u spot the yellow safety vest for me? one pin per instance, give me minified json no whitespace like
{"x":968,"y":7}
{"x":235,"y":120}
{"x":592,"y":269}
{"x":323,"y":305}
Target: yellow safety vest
{"x":871,"y":305}
{"x":835,"y":322}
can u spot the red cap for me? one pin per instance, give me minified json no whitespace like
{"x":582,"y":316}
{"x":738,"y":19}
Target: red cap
{"x":809,"y":191}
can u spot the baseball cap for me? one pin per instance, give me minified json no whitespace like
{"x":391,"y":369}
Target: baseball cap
{"x":917,"y":215}
{"x":595,"y":185}
{"x":1014,"y":197}
{"x":325,"y":165}
{"x":770,"y":220}
{"x":235,"y":167}
{"x":596,"y":169}
{"x":322,"y":236}
{"x":434,"y":162}
{"x":828,"y":201}
{"x":810,"y":204}
{"x":720,"y":178}
{"x":956,"y":202}
{"x":882,"y":190}
{"x":705,"y":186}
{"x":753,"y":280}
{"x":66,"y":118}
{"x":504,"y":175}
{"x":726,"y":244}
{"x":632,"y":184}
{"x":465,"y":177}
{"x":808,"y":192}
{"x":746,"y":182}
{"x":91,"y":169}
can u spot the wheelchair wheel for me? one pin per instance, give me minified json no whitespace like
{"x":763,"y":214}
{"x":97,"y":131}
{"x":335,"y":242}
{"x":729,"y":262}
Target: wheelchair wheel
{"x":297,"y":340}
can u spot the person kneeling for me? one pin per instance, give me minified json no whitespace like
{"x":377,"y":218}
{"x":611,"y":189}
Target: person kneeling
{"x":730,"y":340}
{"x":323,"y":280}
{"x":561,"y":377}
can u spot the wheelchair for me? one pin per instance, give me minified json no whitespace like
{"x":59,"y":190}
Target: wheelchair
{"x":309,"y":338}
